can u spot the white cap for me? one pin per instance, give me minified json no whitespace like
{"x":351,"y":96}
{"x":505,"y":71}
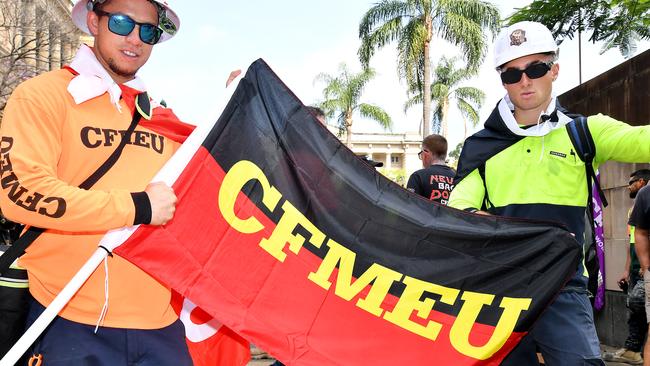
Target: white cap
{"x":168,"y":21}
{"x":523,"y":39}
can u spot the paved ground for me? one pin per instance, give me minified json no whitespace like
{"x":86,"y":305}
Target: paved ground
{"x":267,"y":362}
{"x":612,"y":349}
{"x":259,"y":357}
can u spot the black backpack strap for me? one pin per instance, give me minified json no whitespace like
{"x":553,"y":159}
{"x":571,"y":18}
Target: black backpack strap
{"x":583,"y":142}
{"x":18,"y":247}
{"x":486,"y":198}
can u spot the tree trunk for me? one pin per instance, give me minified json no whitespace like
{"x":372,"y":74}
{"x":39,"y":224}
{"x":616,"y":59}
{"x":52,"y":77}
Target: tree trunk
{"x":348,"y":129}
{"x":443,"y":123}
{"x":426,"y":93}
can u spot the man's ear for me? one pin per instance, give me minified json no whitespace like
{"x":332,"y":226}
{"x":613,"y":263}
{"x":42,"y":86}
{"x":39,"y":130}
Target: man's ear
{"x":555,"y":71}
{"x":92,"y":20}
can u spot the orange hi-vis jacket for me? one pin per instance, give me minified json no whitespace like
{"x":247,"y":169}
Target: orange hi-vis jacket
{"x":50,"y":145}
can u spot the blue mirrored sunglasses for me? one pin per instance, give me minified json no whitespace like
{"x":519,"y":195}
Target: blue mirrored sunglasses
{"x":123,"y":25}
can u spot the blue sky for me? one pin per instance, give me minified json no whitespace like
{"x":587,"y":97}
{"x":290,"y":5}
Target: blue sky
{"x":299,"y":40}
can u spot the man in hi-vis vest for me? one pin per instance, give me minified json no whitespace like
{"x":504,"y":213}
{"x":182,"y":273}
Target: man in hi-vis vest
{"x":523,"y":164}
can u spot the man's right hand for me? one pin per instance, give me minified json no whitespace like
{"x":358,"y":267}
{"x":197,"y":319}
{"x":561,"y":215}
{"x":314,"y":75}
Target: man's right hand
{"x":163,"y":202}
{"x":625,"y":276}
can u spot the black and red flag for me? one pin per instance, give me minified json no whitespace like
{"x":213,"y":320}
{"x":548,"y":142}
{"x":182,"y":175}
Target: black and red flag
{"x":286,"y":237}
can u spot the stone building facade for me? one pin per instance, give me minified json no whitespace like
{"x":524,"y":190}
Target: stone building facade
{"x":35,"y":36}
{"x":41,"y":28}
{"x":398,"y":152}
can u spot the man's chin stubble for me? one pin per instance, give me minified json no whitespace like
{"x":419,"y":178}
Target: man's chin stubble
{"x":121,"y":72}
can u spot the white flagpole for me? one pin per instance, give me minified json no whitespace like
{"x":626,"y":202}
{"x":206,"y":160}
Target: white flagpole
{"x":114,"y":238}
{"x":53,"y":309}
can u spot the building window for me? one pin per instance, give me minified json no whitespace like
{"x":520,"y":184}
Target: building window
{"x":394,"y":159}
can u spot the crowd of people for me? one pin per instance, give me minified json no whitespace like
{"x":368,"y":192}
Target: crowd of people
{"x":522,"y":164}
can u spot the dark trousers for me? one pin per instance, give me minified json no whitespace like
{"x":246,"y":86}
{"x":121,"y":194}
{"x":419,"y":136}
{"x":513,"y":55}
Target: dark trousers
{"x":67,"y":343}
{"x":636,"y":321}
{"x":565,"y":334}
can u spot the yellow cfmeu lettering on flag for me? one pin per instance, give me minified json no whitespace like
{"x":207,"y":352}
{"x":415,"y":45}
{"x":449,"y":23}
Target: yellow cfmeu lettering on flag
{"x":473,"y":303}
{"x":415,"y":300}
{"x":282,"y":233}
{"x":410,"y":301}
{"x":240,"y":174}
{"x":382,"y":278}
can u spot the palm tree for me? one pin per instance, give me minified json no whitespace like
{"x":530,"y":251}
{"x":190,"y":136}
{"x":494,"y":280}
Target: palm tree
{"x":413,"y":23}
{"x":342,"y":94}
{"x":446,"y":88}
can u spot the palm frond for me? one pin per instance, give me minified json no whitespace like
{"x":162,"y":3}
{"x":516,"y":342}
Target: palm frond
{"x":377,"y":114}
{"x":379,"y":26}
{"x":467,"y":35}
{"x":471,"y":94}
{"x":342,"y":97}
{"x":412,"y":101}
{"x":467,"y":110}
{"x":412,"y":23}
{"x":410,"y":52}
{"x":461,"y":22}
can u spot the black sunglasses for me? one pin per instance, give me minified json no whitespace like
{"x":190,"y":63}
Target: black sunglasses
{"x":123,"y":25}
{"x":633,"y":181}
{"x":535,"y":71}
{"x":421,"y":152}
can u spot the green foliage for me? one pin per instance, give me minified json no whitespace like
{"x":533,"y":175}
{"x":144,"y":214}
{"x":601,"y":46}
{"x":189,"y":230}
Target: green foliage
{"x":454,"y":155}
{"x":617,"y":23}
{"x":342,"y":95}
{"x":412,"y":24}
{"x":396,"y":175}
{"x":445,"y":87}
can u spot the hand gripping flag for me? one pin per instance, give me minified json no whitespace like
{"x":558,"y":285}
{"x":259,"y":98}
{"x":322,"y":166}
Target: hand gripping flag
{"x":286,"y":237}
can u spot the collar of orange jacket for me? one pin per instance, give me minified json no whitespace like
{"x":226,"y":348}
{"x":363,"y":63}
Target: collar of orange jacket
{"x":163,"y":120}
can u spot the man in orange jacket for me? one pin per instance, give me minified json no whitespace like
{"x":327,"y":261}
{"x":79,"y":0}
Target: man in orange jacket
{"x":58,"y":129}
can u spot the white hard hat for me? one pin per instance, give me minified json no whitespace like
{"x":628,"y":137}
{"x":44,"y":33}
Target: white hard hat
{"x":523,"y":39}
{"x":167,"y":19}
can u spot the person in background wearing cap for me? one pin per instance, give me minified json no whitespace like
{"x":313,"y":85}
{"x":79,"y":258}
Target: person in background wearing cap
{"x":640,"y":220}
{"x":58,"y":129}
{"x":436,"y":180}
{"x":523,"y":164}
{"x":373,"y":163}
{"x":631,"y":281}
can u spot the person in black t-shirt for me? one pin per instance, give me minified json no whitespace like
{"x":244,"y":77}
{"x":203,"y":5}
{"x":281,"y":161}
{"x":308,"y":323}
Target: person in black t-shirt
{"x":640,"y":219}
{"x":631,"y":281}
{"x":436,"y":180}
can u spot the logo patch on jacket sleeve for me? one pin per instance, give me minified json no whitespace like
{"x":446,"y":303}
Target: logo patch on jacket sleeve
{"x":562,"y":155}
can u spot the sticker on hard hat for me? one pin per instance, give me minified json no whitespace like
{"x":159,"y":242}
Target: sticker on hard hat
{"x":517,"y":37}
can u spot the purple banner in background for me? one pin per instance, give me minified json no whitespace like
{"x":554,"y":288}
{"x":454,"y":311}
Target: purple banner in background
{"x":599,"y":234}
